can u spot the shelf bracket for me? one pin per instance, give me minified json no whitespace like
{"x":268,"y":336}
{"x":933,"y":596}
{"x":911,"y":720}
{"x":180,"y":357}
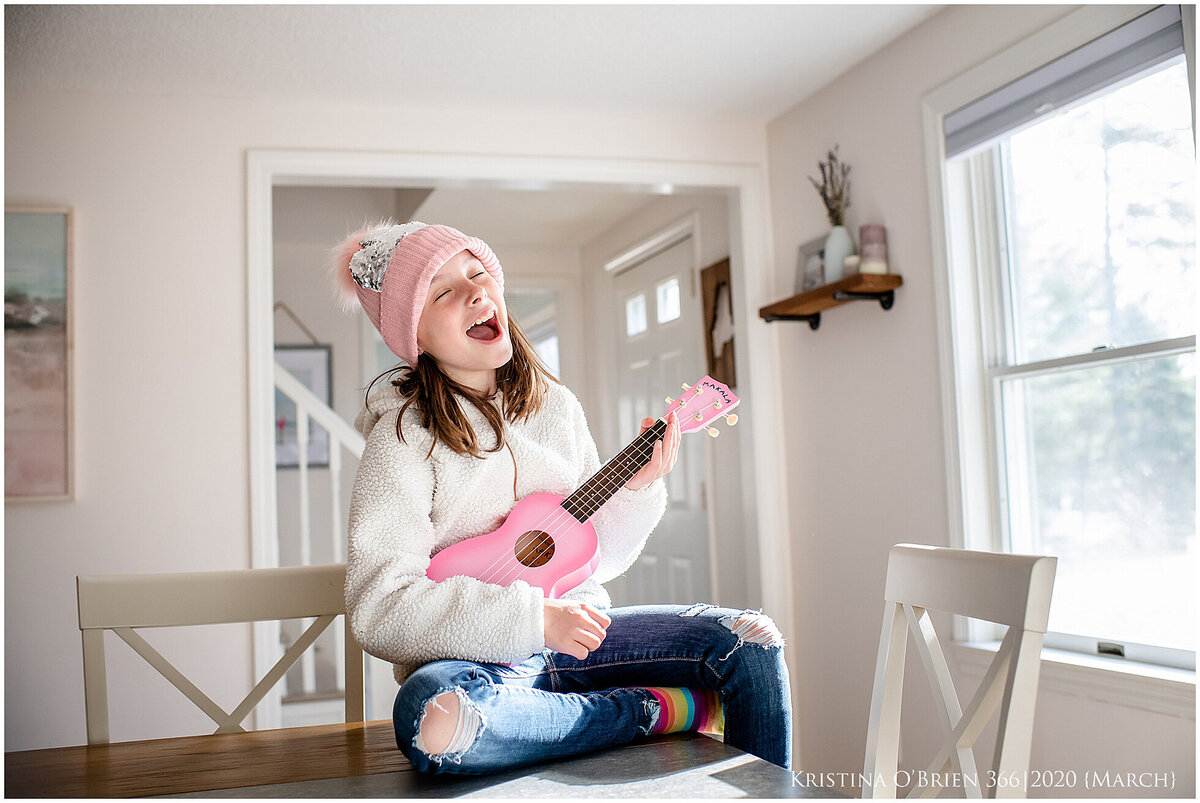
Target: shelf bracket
{"x":814,"y":320}
{"x":885,"y":298}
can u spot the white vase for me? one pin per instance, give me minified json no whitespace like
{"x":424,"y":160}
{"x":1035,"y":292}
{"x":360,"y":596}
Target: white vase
{"x":838,"y":246}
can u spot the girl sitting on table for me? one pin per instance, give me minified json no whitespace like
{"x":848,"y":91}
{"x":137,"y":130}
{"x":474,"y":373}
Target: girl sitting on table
{"x":496,"y":676}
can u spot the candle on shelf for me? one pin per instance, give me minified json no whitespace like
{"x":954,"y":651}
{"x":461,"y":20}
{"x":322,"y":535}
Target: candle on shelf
{"x":872,"y":239}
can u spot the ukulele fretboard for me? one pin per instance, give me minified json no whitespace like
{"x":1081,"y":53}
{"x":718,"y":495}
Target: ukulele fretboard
{"x":613,"y":475}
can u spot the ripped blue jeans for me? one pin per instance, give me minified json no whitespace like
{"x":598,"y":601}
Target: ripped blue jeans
{"x":551,"y":706}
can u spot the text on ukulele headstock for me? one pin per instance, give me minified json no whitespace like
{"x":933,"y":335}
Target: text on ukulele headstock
{"x":701,"y":403}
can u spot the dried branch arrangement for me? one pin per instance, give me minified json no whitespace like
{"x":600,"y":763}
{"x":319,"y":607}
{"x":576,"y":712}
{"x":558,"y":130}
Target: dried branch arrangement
{"x":834,"y":187}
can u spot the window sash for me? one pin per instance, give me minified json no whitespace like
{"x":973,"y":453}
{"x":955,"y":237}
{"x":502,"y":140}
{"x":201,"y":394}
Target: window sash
{"x":1143,"y":653}
{"x":1157,"y":348}
{"x":989,"y":251}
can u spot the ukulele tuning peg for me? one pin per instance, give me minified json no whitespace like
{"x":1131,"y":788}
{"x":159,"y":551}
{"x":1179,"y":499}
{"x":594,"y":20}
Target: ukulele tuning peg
{"x":686,"y":386}
{"x":670,"y":400}
{"x":712,"y":431}
{"x":731,"y":419}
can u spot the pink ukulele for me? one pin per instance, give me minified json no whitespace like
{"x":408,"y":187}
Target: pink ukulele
{"x":548,"y":541}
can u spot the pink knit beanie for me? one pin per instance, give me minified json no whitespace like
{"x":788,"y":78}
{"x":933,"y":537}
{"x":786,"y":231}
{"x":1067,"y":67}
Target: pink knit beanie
{"x":387,"y":268}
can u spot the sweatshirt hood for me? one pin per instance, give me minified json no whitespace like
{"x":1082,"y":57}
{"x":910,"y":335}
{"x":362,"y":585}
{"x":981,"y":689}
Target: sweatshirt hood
{"x":380,"y":402}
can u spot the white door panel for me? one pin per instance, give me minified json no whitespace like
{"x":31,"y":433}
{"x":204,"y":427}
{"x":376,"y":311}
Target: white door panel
{"x":651,"y":365}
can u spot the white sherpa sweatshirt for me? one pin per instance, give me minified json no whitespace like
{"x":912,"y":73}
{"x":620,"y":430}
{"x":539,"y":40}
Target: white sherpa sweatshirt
{"x":404,"y":509}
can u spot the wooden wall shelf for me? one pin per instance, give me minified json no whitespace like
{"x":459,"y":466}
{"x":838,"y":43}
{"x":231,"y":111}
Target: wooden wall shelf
{"x":808,"y":306}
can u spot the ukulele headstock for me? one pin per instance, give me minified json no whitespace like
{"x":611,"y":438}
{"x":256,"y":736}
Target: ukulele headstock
{"x":701,"y":403}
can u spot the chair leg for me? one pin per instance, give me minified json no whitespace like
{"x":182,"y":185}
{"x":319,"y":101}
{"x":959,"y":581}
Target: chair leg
{"x":355,"y":682}
{"x":1014,"y":734}
{"x":95,"y":687}
{"x":883,"y":728}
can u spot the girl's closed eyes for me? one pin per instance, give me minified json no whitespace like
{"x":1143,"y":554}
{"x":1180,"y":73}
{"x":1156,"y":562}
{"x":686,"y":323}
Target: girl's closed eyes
{"x":446,"y":292}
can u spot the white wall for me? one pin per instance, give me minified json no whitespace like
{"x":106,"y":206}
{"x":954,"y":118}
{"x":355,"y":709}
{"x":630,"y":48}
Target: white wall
{"x":158,"y":187}
{"x":865,"y":431}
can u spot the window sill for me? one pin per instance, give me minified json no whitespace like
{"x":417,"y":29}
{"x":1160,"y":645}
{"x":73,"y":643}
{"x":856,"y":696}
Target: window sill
{"x":1161,"y":689}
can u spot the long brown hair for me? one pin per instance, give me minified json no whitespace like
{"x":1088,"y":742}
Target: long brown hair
{"x":521,"y":382}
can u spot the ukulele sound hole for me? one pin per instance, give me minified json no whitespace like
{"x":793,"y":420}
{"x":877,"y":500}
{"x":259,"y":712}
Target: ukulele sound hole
{"x":535,"y":548}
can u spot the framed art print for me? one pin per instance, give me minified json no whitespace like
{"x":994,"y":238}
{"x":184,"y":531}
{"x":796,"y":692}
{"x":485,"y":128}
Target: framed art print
{"x":313,"y":367}
{"x":39,"y":420}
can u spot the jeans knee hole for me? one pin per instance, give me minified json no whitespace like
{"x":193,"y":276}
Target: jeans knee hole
{"x":455,"y":727}
{"x":753,"y":627}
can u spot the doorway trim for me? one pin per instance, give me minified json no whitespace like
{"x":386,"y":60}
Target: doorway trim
{"x":757,"y":345}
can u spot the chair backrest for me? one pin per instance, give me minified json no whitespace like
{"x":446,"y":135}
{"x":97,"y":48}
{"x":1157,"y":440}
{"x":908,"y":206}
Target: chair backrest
{"x":1012,"y":590}
{"x":121,"y":603}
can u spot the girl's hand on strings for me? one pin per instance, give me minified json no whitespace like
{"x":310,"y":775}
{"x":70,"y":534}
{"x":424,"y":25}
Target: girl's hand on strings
{"x":666,"y":449}
{"x":573,"y":628}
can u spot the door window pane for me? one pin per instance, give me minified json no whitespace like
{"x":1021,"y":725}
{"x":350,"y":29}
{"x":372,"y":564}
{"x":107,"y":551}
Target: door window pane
{"x":635,"y":315}
{"x":1101,"y":219}
{"x":1102,"y":473}
{"x":668,"y":300}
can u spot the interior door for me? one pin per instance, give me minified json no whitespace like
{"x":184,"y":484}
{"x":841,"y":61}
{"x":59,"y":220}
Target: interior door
{"x":659,"y":346}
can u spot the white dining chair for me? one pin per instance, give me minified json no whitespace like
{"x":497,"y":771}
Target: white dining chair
{"x":1011,"y":590}
{"x":122,"y":603}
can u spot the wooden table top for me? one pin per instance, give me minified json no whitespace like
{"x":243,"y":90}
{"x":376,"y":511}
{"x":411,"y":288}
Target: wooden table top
{"x":203,"y":763}
{"x":361,"y":760}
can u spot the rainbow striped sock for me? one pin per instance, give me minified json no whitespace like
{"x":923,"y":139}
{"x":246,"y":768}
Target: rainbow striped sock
{"x":687,"y":710}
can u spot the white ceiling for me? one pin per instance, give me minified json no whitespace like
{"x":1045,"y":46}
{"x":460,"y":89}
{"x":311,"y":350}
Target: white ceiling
{"x":568,"y":217}
{"x":751,"y":62}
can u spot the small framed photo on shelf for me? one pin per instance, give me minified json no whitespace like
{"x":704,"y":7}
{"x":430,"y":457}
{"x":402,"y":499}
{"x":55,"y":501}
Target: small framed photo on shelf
{"x":313,"y":367}
{"x":810,"y":272}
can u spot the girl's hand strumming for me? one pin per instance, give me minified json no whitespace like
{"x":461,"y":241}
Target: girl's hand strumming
{"x":574,"y":628}
{"x":666,"y":449}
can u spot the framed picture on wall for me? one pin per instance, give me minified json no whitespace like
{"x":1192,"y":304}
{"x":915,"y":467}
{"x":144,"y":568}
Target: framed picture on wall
{"x":313,"y":367}
{"x":39,"y":418}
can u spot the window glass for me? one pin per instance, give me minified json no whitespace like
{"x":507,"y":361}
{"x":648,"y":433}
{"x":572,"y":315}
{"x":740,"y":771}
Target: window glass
{"x":668,"y":300}
{"x":635,"y":315}
{"x":1101,"y":221}
{"x":1101,"y":470}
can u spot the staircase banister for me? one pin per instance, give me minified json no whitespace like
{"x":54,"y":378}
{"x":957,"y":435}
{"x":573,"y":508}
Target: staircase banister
{"x":341,"y":430}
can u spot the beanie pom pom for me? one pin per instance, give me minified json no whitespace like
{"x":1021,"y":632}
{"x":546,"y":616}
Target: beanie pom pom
{"x":345,"y":289}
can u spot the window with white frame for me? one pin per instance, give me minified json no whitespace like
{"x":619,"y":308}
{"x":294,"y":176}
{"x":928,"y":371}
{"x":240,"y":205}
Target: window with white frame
{"x":1070,"y":213}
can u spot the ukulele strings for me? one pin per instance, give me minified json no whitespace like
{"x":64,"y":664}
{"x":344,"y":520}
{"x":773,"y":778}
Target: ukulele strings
{"x":556,"y":519}
{"x":546,"y":528}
